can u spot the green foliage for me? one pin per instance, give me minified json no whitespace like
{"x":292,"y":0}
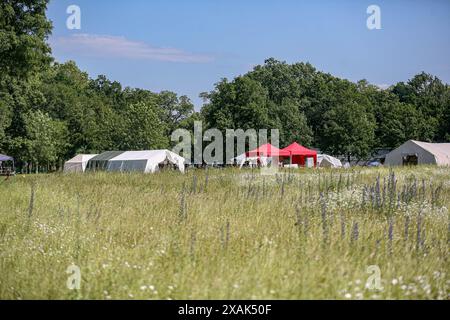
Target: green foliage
{"x":24,"y":29}
{"x":348,"y":130}
{"x":45,"y":139}
{"x":93,"y":115}
{"x":5,"y":120}
{"x":335,"y":115}
{"x":174,"y":109}
{"x":142,"y":128}
{"x":431,"y":98}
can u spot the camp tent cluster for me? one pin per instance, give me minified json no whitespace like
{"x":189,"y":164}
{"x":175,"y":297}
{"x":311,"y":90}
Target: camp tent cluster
{"x":301,"y":156}
{"x":264,"y":155}
{"x":148,"y":161}
{"x":410,"y":153}
{"x":297,"y":155}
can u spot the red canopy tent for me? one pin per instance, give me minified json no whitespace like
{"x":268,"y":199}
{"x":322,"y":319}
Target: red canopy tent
{"x":267,"y":150}
{"x":299,"y":154}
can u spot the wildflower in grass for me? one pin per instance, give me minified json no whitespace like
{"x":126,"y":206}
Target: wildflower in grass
{"x":355,"y":232}
{"x":32,"y":196}
{"x":364,"y":197}
{"x":407,"y":221}
{"x":182,"y":213}
{"x":324,"y":217}
{"x":390,"y":234}
{"x":305,"y":225}
{"x":419,"y":230}
{"x":377,"y":191}
{"x":342,"y":226}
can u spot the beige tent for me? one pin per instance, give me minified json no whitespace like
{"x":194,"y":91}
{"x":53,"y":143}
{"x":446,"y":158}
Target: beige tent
{"x":416,"y":152}
{"x":78,"y":164}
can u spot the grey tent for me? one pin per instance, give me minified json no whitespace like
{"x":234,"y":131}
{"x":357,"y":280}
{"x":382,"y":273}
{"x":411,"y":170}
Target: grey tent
{"x":100,"y":162}
{"x":416,"y":152}
{"x":6,"y":170}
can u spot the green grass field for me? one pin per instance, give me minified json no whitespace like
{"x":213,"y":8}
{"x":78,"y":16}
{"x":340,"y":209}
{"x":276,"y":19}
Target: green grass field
{"x":227,"y":234}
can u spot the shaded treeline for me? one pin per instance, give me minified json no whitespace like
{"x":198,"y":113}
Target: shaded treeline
{"x":50,"y":111}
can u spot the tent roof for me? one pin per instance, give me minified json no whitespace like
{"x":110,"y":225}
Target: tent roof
{"x":268,"y":150}
{"x":81,"y":158}
{"x":142,"y":155}
{"x":440,"y":150}
{"x":4,"y":157}
{"x":105,"y":156}
{"x":298,"y":150}
{"x":324,"y":159}
{"x":151,"y":157}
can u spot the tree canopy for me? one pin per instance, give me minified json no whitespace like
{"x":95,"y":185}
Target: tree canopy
{"x":50,"y":111}
{"x":332,"y":114}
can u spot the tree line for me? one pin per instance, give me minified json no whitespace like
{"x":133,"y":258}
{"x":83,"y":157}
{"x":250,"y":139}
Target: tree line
{"x":51,"y":111}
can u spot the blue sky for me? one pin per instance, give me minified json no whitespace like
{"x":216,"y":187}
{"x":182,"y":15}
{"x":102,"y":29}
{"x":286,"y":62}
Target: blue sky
{"x":187,"y":46}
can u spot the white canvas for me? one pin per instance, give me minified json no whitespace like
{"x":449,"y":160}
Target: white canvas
{"x":78,"y":163}
{"x":145,"y":161}
{"x":326,"y":161}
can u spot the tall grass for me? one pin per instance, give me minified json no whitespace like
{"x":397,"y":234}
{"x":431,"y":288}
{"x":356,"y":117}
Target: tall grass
{"x":227,"y":234}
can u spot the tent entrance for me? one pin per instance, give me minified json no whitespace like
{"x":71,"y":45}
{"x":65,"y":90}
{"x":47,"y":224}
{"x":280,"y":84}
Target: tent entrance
{"x":7,"y":167}
{"x":410,"y":160}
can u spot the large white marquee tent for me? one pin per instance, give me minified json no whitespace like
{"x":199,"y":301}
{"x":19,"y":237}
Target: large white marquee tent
{"x":78,"y":163}
{"x":145,"y":161}
{"x":417,"y":152}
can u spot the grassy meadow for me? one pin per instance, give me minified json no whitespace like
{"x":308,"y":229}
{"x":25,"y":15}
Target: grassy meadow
{"x":227,"y":234}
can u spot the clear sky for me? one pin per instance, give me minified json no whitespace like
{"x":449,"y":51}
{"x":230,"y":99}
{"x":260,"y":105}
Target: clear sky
{"x":188,"y":46}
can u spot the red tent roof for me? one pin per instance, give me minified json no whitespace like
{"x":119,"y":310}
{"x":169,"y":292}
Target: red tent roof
{"x":267,"y":150}
{"x":297,"y":150}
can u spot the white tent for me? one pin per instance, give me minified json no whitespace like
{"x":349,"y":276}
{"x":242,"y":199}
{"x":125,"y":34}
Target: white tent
{"x":326,"y":161}
{"x":253,"y":161}
{"x":145,"y":161}
{"x":78,"y":163}
{"x":417,"y":152}
{"x":239,"y":159}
